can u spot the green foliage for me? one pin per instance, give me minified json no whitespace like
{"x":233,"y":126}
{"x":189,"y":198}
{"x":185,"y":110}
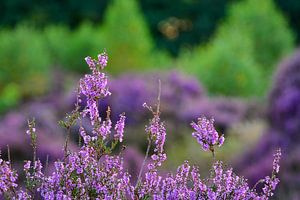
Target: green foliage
{"x":240,"y":58}
{"x":46,"y":12}
{"x":291,"y":9}
{"x":56,"y":39}
{"x":127,"y":38}
{"x":9,"y":96}
{"x":67,"y":48}
{"x":225,"y":66}
{"x":266,"y":27}
{"x":200,"y":19}
{"x":124,"y":35}
{"x":24,"y":61}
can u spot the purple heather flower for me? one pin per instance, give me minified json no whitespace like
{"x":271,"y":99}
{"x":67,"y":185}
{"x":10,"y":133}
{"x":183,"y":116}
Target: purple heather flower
{"x":21,"y":195}
{"x":94,"y":86}
{"x":152,"y":181}
{"x":182,"y":175}
{"x":91,"y":63}
{"x":119,"y":128}
{"x":156,"y":130}
{"x":270,"y":186}
{"x":8,"y":177}
{"x":102,"y":59}
{"x":206,"y":134}
{"x":33,"y":130}
{"x":104,"y":129}
{"x":276,"y":160}
{"x":27,"y":165}
{"x":157,"y":133}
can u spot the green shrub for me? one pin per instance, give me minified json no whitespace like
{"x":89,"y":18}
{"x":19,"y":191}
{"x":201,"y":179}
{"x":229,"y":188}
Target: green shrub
{"x":124,"y":34}
{"x":240,"y":57}
{"x":81,"y":43}
{"x":9,"y":96}
{"x":57,"y":41}
{"x":24,"y":61}
{"x":69,"y":47}
{"x":225,"y":66}
{"x":266,"y":27}
{"x":127,"y":38}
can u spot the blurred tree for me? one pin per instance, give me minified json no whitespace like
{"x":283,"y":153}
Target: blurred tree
{"x":24,"y":62}
{"x":183,"y":22}
{"x":174,"y":24}
{"x":43,"y":12}
{"x":127,"y":38}
{"x":243,"y":51}
{"x":68,"y":48}
{"x":265,"y":25}
{"x":291,"y":9}
{"x":194,"y":20}
{"x":225,"y":65}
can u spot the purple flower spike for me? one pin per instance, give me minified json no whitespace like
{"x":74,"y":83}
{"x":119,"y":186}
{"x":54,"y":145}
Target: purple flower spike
{"x":276,"y":166}
{"x":91,"y":63}
{"x":119,"y":128}
{"x":102,"y":59}
{"x":206,"y":134}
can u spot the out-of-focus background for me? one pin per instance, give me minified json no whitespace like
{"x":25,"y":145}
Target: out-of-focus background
{"x":234,"y":60}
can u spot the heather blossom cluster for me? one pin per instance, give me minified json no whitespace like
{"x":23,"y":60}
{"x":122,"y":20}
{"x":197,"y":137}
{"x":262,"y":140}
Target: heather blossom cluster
{"x":206,"y":134}
{"x":96,"y":171}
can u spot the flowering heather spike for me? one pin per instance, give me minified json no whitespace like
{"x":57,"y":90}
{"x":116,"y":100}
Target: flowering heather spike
{"x":119,"y":128}
{"x":272,"y":182}
{"x":105,"y":129}
{"x":206,"y":134}
{"x":102,"y":59}
{"x":94,"y":86}
{"x":276,"y":160}
{"x":157,"y":133}
{"x":8,"y":177}
{"x":91,"y":63}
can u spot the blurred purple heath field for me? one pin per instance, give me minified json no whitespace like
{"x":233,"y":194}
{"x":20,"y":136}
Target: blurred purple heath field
{"x":96,"y":170}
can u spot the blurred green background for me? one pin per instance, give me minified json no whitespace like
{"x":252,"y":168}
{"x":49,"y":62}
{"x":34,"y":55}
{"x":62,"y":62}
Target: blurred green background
{"x":236,"y":42}
{"x":230,"y":47}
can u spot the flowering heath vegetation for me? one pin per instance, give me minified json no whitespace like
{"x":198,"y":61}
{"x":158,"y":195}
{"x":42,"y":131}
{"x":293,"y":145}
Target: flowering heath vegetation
{"x":96,"y":170}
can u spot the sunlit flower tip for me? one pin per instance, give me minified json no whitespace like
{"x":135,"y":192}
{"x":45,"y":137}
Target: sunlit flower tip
{"x":102,"y":59}
{"x":119,"y":128}
{"x":90,"y":62}
{"x":27,"y":165}
{"x":221,"y":140}
{"x":276,"y":160}
{"x":154,"y":157}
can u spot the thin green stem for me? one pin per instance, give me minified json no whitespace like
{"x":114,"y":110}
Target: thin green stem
{"x":143,"y":164}
{"x":67,"y":141}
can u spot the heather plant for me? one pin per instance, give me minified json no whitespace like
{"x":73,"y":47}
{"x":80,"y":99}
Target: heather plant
{"x":96,"y":170}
